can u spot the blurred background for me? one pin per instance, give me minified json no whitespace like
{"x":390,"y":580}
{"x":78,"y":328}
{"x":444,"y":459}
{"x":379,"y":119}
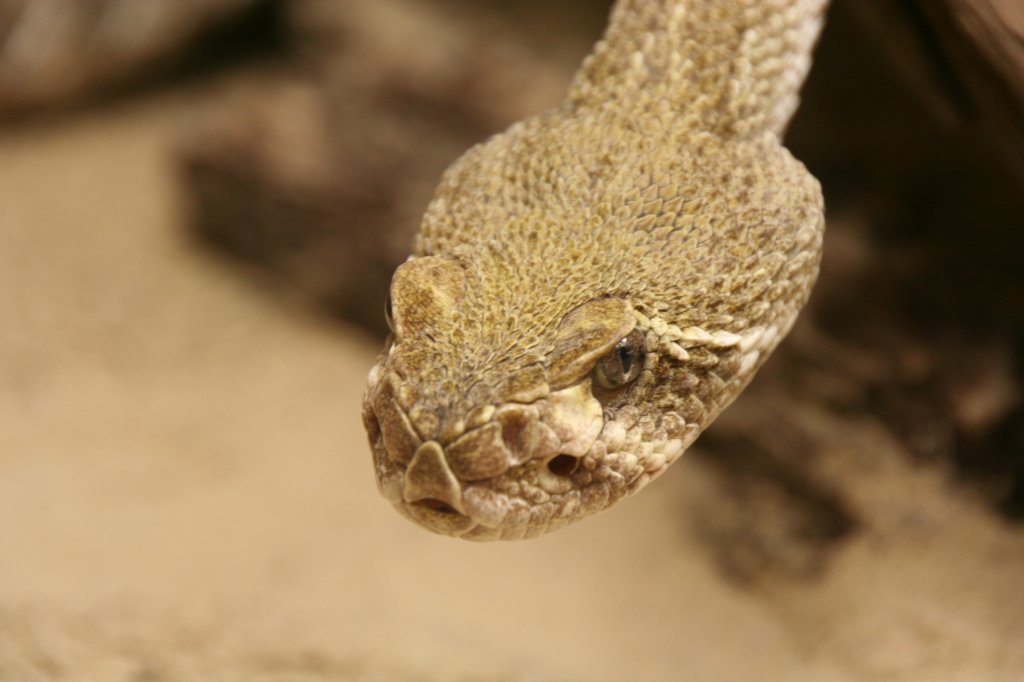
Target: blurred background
{"x":201,"y":203}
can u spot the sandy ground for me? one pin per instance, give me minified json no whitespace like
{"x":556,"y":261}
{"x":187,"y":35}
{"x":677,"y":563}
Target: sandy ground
{"x":186,"y":494}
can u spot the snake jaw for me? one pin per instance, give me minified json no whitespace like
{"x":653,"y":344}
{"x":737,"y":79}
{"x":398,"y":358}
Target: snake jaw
{"x":614,"y":453}
{"x":441,"y":487}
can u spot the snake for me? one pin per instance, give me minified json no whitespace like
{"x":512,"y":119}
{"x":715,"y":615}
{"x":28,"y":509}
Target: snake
{"x":590,"y":288}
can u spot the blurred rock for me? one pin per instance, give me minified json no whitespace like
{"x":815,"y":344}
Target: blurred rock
{"x":54,"y":52}
{"x":321,"y":176}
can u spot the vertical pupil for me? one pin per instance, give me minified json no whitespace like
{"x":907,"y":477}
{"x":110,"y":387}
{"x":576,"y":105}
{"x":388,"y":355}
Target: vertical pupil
{"x":625,"y":358}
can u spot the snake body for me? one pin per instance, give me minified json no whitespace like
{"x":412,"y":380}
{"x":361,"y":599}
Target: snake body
{"x":590,"y":288}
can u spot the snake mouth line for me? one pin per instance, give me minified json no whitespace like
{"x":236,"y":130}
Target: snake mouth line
{"x":438,"y":517}
{"x":438,"y":506}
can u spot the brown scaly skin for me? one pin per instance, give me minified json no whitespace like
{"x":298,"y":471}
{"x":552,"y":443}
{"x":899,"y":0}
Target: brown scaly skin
{"x":656,"y":207}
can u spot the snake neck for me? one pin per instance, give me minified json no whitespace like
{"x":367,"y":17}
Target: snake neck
{"x":729,"y":67}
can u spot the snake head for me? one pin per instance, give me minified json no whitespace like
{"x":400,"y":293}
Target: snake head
{"x":491,"y":416}
{"x":586,"y":296}
{"x":523,"y":450}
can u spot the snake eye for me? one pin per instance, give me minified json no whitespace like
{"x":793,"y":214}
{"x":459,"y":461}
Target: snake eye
{"x":623,"y":364}
{"x":389,"y":315}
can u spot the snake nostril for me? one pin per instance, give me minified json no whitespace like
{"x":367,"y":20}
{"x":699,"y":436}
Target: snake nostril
{"x":563,"y":465}
{"x":435,"y":505}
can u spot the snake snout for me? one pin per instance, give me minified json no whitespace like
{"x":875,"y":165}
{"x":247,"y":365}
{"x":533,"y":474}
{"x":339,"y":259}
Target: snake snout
{"x":432,"y":493}
{"x":430,"y":483}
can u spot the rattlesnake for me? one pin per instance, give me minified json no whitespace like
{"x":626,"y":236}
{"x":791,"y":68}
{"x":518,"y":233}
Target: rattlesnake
{"x":590,"y":288}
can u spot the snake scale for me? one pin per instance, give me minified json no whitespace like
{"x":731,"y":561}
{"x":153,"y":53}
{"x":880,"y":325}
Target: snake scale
{"x":592,"y":287}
